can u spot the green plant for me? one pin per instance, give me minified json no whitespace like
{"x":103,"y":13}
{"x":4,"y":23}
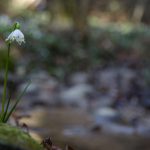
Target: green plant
{"x":18,"y":36}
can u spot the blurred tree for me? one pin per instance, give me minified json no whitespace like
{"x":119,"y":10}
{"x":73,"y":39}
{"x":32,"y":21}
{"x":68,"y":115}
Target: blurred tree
{"x":52,"y":6}
{"x":3,"y":5}
{"x":139,"y":10}
{"x":77,"y":10}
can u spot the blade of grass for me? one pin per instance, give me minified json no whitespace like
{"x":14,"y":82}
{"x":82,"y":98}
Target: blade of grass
{"x":6,"y":110}
{"x":17,"y":101}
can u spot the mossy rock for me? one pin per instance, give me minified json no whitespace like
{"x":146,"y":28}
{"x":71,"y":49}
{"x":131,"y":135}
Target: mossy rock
{"x":12,"y":138}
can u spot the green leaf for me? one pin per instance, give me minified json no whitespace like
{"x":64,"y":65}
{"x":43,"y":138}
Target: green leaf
{"x":6,"y":110}
{"x":17,"y":101}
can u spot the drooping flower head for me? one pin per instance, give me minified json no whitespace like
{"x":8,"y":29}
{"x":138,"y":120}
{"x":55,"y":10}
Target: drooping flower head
{"x":16,"y":35}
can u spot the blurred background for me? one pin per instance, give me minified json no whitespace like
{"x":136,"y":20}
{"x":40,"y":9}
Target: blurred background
{"x":89,"y":62}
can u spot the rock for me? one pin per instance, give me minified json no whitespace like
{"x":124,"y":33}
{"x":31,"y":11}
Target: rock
{"x":114,"y":128}
{"x":145,"y":102}
{"x":114,"y":79}
{"x":40,"y":92}
{"x":103,"y":115}
{"x":105,"y":101}
{"x":76,"y":95}
{"x":131,"y":113}
{"x":79,"y":77}
{"x":75,"y":131}
{"x":12,"y":138}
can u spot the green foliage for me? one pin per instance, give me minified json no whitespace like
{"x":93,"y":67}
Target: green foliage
{"x":65,"y":51}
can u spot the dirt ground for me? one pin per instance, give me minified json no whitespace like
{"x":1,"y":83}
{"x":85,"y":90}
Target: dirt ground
{"x":52,"y":122}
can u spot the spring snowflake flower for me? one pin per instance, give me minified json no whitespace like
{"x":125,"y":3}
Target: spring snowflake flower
{"x":17,"y":36}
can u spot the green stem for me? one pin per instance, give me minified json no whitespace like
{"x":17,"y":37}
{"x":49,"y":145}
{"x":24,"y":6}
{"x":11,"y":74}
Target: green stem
{"x":5,"y":81}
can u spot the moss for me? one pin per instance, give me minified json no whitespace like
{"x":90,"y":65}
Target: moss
{"x":14,"y":137}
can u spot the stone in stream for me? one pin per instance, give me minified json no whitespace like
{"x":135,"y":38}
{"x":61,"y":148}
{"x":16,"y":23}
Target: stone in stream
{"x":106,"y":114}
{"x":12,"y":138}
{"x":76,"y":95}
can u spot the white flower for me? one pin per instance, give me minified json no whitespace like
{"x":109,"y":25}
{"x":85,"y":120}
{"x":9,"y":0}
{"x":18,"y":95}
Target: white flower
{"x":17,"y":36}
